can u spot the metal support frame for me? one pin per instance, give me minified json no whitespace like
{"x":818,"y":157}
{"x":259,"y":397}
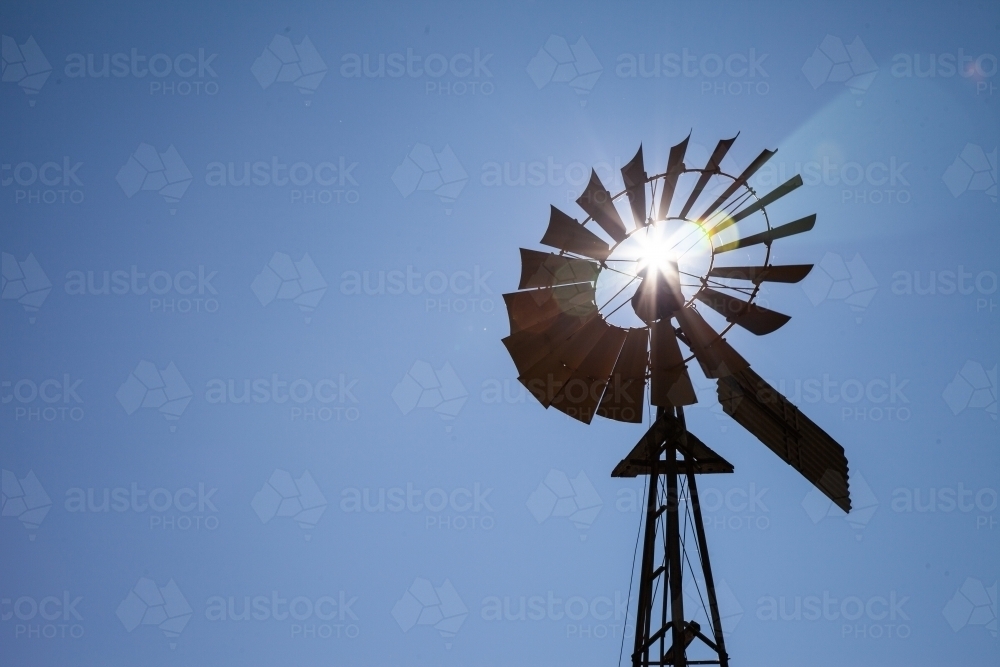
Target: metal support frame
{"x":661,"y":577}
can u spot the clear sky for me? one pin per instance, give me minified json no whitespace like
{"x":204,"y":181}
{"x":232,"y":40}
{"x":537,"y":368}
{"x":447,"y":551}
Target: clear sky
{"x":253,"y":258}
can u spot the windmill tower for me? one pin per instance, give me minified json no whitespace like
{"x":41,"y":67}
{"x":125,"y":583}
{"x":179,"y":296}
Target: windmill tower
{"x":574,"y":353}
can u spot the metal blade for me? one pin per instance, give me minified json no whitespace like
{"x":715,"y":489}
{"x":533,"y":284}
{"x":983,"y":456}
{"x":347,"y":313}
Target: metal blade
{"x":528,"y":347}
{"x":715,"y":356}
{"x":789,"y":229}
{"x":740,"y":181}
{"x":623,"y":397}
{"x":675,"y":165}
{"x":568,"y":234}
{"x":544,"y":269}
{"x":546,"y":378}
{"x":773,"y":420}
{"x":634,"y":177}
{"x":711,"y":168}
{"x":527,"y":310}
{"x":753,"y":318}
{"x":670,"y":384}
{"x":768,"y":199}
{"x":583,"y":390}
{"x":788,"y":273}
{"x":596,"y":201}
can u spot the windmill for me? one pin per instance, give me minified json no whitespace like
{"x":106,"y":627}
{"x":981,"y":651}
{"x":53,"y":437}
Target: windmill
{"x":577,"y":348}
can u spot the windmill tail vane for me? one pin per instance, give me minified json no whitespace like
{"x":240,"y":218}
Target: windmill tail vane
{"x":594,"y":323}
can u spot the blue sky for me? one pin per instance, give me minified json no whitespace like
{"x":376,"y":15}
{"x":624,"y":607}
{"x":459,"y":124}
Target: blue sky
{"x":898,"y":168}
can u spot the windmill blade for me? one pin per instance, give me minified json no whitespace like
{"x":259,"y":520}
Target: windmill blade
{"x":623,"y":397}
{"x":788,"y":229}
{"x":669,"y":383}
{"x":773,"y":420}
{"x":583,"y":390}
{"x":788,"y":273}
{"x":716,"y":357}
{"x":675,"y":165}
{"x":529,"y":310}
{"x":634,"y":177}
{"x":750,"y":316}
{"x":545,"y":269}
{"x":529,"y":347}
{"x":546,"y":377}
{"x":568,"y":234}
{"x":740,"y":181}
{"x":711,"y":168}
{"x":596,"y":201}
{"x":768,"y":199}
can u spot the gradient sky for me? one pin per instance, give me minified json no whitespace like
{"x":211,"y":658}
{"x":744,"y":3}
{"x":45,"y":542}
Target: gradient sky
{"x":897,"y":170}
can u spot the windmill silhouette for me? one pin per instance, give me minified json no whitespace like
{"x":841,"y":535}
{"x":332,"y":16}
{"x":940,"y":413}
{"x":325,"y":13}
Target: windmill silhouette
{"x":574,"y":355}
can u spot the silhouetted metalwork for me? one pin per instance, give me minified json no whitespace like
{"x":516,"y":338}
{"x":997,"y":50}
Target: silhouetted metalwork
{"x":572,"y":358}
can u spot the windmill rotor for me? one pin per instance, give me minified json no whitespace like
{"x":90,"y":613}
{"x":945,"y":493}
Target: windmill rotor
{"x":667,"y":264}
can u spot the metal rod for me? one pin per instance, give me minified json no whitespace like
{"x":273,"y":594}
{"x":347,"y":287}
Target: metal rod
{"x":706,"y":564}
{"x":643,"y":618}
{"x":674,"y":557}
